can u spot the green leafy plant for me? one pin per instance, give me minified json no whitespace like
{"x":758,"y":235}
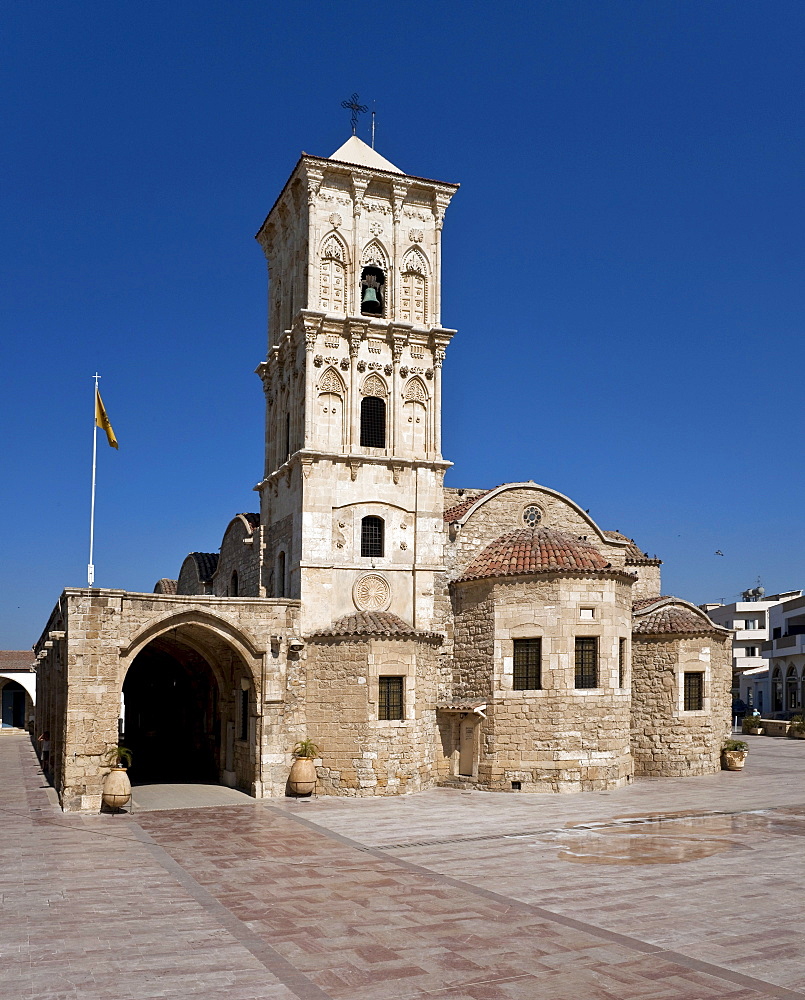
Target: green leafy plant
{"x":117,"y":757}
{"x":751,"y":722}
{"x":797,"y":725}
{"x":730,"y":745}
{"x":306,"y":748}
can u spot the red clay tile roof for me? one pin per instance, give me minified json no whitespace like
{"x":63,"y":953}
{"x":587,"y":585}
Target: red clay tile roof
{"x":377,"y":623}
{"x":458,"y":510}
{"x":206,"y":563}
{"x":670,"y":618}
{"x":165,"y":586}
{"x":644,"y":602}
{"x":542,"y":551}
{"x":16,"y":659}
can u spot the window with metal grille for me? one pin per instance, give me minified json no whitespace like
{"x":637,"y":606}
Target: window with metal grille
{"x":694,"y":692}
{"x":244,"y":716}
{"x":372,"y":537}
{"x":586,"y":661}
{"x":390,"y":700}
{"x":527,"y":664}
{"x":621,"y":662}
{"x":373,"y":422}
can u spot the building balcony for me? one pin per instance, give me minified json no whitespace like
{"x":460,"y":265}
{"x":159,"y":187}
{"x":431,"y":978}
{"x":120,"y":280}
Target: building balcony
{"x":786,"y":645}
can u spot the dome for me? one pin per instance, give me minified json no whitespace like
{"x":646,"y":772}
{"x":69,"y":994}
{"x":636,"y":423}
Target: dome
{"x":542,"y":551}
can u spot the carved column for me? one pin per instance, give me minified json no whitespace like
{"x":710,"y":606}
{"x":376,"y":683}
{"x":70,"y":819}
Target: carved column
{"x":359,"y":185}
{"x":397,"y":348}
{"x":440,"y":203}
{"x":355,"y":336}
{"x":315,"y":175}
{"x":310,"y":347}
{"x":398,"y":193}
{"x":438,"y":358}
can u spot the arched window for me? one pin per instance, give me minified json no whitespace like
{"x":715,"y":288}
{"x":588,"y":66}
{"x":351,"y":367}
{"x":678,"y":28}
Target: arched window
{"x":372,"y":531}
{"x":777,"y":691}
{"x":333,"y":276}
{"x":415,"y":414}
{"x":331,"y":410}
{"x":414,"y":287}
{"x":279,"y":582}
{"x":233,"y":584}
{"x":792,"y":702}
{"x":373,"y":291}
{"x":373,"y":422}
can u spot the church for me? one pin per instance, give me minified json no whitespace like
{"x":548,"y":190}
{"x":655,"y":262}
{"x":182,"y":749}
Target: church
{"x":420,"y":635}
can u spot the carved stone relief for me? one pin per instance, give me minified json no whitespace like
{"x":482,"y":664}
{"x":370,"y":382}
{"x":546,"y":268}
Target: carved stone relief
{"x":371,"y":593}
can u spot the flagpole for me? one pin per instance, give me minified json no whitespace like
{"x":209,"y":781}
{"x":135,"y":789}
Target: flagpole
{"x":90,"y":567}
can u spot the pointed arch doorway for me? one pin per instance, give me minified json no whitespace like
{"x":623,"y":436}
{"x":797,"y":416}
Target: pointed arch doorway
{"x":188,"y":711}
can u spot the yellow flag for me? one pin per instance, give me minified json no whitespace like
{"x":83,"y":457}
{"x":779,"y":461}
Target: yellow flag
{"x":102,"y":420}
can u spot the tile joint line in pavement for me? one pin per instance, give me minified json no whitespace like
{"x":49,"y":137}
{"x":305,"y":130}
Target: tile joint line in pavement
{"x":287,"y":973}
{"x":762,"y":986}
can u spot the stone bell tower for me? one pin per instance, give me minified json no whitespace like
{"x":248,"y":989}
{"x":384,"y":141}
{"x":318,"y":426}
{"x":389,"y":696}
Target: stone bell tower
{"x":351,"y":497}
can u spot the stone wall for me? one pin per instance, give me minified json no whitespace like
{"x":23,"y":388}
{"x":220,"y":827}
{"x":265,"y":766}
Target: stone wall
{"x":81,"y":676}
{"x":649,"y":583}
{"x":360,"y":753}
{"x":240,"y":553}
{"x":503,"y":513}
{"x":666,"y":740}
{"x":558,"y":738}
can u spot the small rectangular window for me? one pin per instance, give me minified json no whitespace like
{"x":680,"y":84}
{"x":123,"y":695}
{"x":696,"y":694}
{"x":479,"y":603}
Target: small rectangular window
{"x":527,"y":664}
{"x":776,"y":633}
{"x":751,"y":651}
{"x":694,"y":692}
{"x":586,"y":661}
{"x":390,"y":698}
{"x":587,"y":614}
{"x":621,"y":662}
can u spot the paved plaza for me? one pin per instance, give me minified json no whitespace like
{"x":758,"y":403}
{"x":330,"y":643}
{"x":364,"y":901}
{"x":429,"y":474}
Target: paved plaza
{"x":672,"y":889}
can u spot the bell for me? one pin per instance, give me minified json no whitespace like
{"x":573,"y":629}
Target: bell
{"x":370,"y":302}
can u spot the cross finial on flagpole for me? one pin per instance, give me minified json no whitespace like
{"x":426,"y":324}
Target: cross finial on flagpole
{"x":356,"y":109}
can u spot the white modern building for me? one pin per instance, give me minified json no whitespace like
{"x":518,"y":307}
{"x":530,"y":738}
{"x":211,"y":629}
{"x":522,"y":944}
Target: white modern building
{"x":749,"y":620}
{"x":785,"y":650}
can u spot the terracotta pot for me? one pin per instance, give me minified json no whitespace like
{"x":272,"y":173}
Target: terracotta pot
{"x":757,"y":731}
{"x":116,"y":788}
{"x":303,"y":777}
{"x":733,"y":760}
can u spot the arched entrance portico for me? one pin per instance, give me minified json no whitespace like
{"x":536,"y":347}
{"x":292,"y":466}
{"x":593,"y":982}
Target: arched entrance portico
{"x":189,"y":709}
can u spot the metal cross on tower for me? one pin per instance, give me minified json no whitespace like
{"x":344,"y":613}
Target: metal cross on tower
{"x":356,"y":109}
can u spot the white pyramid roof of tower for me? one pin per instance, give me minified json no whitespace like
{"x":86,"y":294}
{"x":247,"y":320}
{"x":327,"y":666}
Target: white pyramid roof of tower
{"x":356,"y":151}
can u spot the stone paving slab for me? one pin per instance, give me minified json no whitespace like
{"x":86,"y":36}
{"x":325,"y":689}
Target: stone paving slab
{"x":290,"y":899}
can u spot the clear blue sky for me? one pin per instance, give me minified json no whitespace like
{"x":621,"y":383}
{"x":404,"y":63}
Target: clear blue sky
{"x":623,"y":263}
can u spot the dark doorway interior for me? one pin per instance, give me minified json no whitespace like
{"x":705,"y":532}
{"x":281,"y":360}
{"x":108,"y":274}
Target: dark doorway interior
{"x":13,"y":697}
{"x":171,"y":719}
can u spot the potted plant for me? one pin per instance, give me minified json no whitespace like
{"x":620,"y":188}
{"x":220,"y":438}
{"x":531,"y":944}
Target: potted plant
{"x":733,"y":755}
{"x":116,"y":784}
{"x":303,"y":777}
{"x":797,"y":728}
{"x":751,"y":724}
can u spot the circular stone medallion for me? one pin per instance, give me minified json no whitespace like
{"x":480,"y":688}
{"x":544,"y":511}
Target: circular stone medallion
{"x":371,"y":593}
